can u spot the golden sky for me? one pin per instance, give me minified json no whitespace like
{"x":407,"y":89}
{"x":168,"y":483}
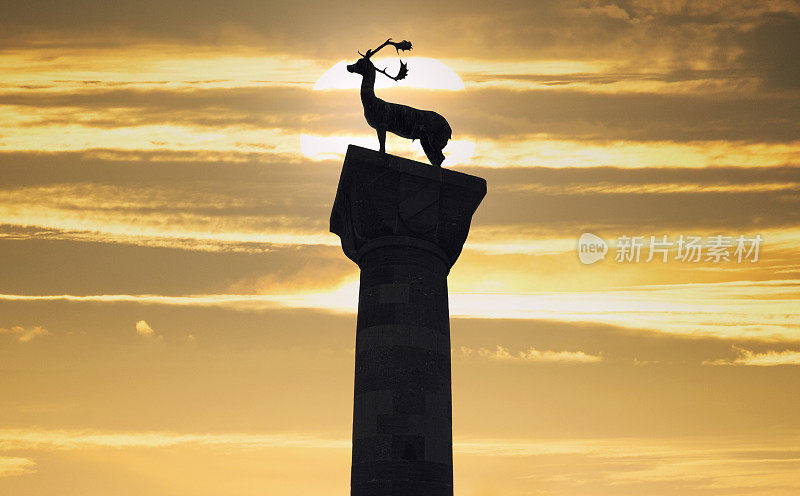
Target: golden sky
{"x":176,"y":319}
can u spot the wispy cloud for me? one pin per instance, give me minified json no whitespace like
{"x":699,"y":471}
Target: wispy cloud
{"x":72,"y":439}
{"x":707,"y":464}
{"x":764,"y":359}
{"x":25,"y":334}
{"x":28,"y":439}
{"x":11,"y":466}
{"x":765,"y":310}
{"x":531,"y":355}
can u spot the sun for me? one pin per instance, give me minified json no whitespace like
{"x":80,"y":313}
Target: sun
{"x":424,"y":73}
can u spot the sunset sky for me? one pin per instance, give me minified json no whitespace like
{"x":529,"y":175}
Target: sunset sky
{"x":176,"y":319}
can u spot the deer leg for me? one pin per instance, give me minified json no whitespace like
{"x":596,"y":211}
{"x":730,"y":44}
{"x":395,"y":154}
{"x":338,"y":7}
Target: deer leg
{"x":382,"y":140}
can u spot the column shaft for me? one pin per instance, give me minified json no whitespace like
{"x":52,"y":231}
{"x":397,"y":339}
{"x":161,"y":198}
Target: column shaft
{"x":402,"y":420}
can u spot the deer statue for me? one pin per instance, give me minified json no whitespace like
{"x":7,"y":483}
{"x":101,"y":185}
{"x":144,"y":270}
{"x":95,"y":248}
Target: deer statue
{"x":430,"y":128}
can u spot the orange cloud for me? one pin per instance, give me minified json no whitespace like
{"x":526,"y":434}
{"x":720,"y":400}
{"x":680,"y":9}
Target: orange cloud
{"x":766,"y":359}
{"x":25,"y":335}
{"x":531,"y":355}
{"x":13,"y":466}
{"x":144,"y":329}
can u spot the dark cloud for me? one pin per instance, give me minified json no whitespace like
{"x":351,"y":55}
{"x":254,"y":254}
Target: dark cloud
{"x":772,"y":50}
{"x":637,"y":31}
{"x":492,"y":113}
{"x":632,"y":116}
{"x":85,"y":268}
{"x":739,"y":212}
{"x":283,"y":108}
{"x":261,"y":179}
{"x":575,"y":210}
{"x":298,"y":196}
{"x":623,"y":177}
{"x":308,"y":27}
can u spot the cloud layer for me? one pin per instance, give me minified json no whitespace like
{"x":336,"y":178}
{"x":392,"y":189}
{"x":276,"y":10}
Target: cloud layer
{"x":166,"y":176}
{"x":25,"y":335}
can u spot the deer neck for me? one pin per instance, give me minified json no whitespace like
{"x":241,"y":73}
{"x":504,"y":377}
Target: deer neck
{"x":368,"y":87}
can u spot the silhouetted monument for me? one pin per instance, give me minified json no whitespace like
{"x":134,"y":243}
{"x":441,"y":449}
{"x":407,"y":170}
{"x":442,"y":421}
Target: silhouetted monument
{"x":404,"y":223}
{"x":430,"y":128}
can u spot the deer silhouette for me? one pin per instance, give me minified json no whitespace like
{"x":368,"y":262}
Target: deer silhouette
{"x":430,"y":128}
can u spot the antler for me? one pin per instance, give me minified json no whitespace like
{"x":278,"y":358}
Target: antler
{"x":402,"y":45}
{"x":400,"y":74}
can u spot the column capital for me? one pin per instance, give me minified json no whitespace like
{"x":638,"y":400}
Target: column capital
{"x":385,"y":196}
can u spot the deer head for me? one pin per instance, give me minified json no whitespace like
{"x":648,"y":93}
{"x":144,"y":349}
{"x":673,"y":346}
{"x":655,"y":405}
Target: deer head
{"x":364,"y":65}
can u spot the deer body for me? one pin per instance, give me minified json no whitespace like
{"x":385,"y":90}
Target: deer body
{"x":430,"y":128}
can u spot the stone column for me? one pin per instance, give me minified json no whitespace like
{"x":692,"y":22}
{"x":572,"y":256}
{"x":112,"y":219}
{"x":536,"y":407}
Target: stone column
{"x":404,"y":223}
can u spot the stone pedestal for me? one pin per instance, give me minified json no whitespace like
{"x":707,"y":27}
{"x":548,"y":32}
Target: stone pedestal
{"x":404,"y":223}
